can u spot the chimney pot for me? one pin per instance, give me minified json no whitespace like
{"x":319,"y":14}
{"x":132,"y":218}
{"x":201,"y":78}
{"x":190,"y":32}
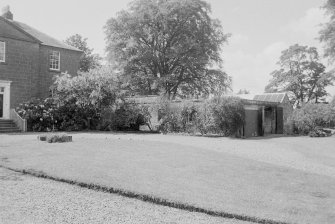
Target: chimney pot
{"x":6,"y":13}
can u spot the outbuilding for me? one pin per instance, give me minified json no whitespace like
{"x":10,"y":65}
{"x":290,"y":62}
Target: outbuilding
{"x":265,"y":114}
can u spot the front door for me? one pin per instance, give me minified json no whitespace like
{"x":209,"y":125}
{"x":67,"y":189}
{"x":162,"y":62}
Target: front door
{"x":4,"y":99}
{"x":1,"y":105}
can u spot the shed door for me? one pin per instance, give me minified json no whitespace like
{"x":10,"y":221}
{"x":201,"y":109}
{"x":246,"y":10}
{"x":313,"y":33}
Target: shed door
{"x":260,"y":121}
{"x":1,"y":105}
{"x":280,"y":121}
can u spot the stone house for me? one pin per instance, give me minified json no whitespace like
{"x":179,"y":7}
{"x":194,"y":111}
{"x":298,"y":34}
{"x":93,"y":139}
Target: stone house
{"x":29,"y":59}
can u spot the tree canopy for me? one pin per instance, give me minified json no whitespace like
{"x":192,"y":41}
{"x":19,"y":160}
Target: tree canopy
{"x":88,"y":60}
{"x":301,"y":74}
{"x":243,"y":91}
{"x":327,"y":33}
{"x":171,"y":47}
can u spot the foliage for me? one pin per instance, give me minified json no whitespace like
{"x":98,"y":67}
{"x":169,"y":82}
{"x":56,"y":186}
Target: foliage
{"x":312,"y":116}
{"x":88,"y":60}
{"x":205,"y":121}
{"x":169,"y":116}
{"x":243,"y":91}
{"x":79,"y":102}
{"x":83,"y":97}
{"x":90,"y":91}
{"x":327,"y":33}
{"x":40,"y":114}
{"x":228,"y":113}
{"x":320,"y":133}
{"x":332,"y":102}
{"x":127,"y":116}
{"x":220,"y":115}
{"x":59,"y":137}
{"x":301,"y":74}
{"x":169,"y":47}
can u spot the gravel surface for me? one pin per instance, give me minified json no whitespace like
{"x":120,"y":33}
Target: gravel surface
{"x":26,"y":199}
{"x":312,"y":155}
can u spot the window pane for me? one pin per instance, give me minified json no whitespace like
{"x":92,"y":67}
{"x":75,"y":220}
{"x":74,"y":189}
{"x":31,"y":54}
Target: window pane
{"x":2,"y":51}
{"x":54,"y":60}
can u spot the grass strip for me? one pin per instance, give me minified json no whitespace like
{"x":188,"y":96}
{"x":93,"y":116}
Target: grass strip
{"x":146,"y":198}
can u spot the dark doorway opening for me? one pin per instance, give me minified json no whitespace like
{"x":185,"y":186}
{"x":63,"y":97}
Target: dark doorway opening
{"x":1,"y":105}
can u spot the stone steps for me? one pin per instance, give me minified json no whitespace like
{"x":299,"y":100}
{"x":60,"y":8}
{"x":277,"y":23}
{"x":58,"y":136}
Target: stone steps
{"x":8,"y":126}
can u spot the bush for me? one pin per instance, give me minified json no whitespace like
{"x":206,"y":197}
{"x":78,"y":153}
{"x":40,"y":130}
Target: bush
{"x":222,"y":115}
{"x":312,"y":116}
{"x":127,"y":116}
{"x":40,"y":114}
{"x":228,"y":114}
{"x":177,"y":117}
{"x":77,"y":103}
{"x":205,"y":122}
{"x":320,"y":133}
{"x":53,"y":138}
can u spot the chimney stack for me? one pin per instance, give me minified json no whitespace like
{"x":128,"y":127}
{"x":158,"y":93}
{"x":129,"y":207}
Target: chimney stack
{"x":6,"y":13}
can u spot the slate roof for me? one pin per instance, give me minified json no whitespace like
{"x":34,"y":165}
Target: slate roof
{"x":265,"y":97}
{"x":42,"y":37}
{"x":270,"y":97}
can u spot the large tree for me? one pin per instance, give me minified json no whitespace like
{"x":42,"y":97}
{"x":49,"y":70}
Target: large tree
{"x":88,"y":60}
{"x":301,"y":74}
{"x":171,"y":47}
{"x":327,"y":33}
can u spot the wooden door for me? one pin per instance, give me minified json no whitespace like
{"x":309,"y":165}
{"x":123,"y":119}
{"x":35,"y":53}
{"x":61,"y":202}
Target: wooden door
{"x":280,"y":121}
{"x":1,"y":105}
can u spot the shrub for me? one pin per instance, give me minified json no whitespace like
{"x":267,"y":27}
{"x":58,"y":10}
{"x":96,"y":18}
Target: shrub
{"x":320,"y":133}
{"x":126,"y":116}
{"x":205,"y":122}
{"x":221,"y":115}
{"x":311,"y":117}
{"x":177,"y":116}
{"x":76,"y":104}
{"x":228,"y":114}
{"x":53,"y":138}
{"x":40,"y":114}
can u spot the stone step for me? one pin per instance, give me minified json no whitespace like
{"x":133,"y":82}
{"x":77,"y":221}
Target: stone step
{"x":10,"y":131}
{"x":6,"y":122}
{"x":8,"y":126}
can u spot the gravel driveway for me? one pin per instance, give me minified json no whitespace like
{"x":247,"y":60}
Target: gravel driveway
{"x":26,"y":199}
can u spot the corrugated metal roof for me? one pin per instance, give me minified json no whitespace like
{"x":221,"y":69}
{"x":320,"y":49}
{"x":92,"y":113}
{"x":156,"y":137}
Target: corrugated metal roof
{"x":42,"y":37}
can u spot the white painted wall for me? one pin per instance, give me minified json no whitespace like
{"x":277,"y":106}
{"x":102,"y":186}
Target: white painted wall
{"x":6,"y":97}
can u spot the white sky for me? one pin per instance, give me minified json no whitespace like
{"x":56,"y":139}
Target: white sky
{"x":260,"y":29}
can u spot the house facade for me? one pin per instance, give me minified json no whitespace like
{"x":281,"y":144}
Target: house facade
{"x":29,"y":59}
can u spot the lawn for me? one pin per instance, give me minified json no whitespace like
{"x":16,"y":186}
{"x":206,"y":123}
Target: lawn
{"x":284,"y":179}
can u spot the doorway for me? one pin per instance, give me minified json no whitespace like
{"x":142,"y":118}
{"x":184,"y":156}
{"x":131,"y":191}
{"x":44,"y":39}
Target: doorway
{"x":5,"y":99}
{"x":1,"y":105}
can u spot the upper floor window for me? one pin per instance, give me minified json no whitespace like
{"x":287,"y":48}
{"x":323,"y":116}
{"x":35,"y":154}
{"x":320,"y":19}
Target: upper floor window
{"x":2,"y":51}
{"x":54,"y":60}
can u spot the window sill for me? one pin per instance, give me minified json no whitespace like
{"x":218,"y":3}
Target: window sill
{"x":55,"y":71}
{"x":3,"y":63}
